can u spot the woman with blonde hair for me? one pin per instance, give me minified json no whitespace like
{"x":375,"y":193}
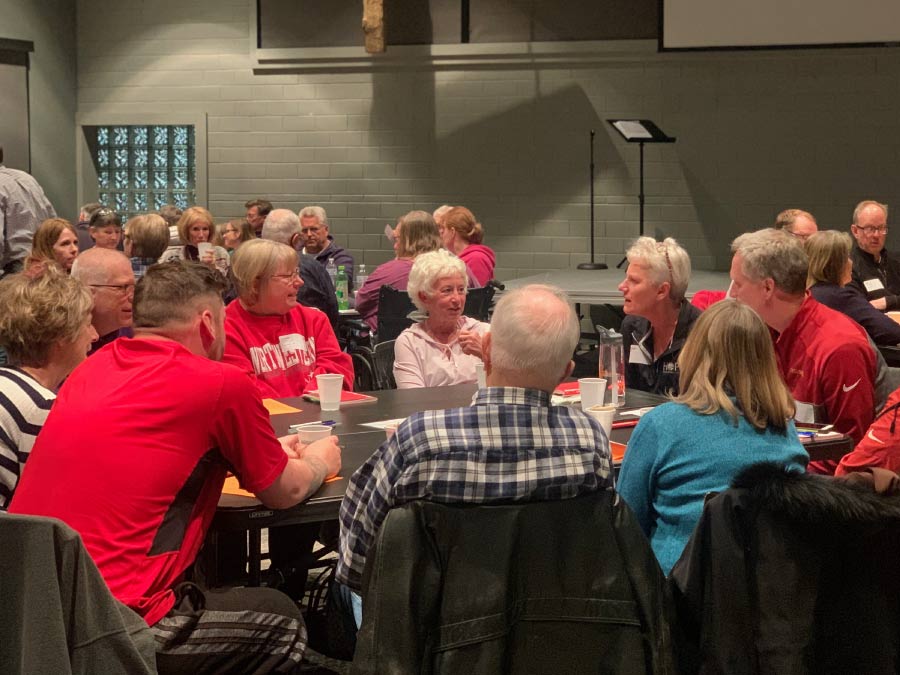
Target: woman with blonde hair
{"x":462,"y":235}
{"x":195,"y":227}
{"x":733,"y":411}
{"x":446,"y":346}
{"x":55,"y":240}
{"x":828,"y":280}
{"x":269,"y":334}
{"x":45,"y":328}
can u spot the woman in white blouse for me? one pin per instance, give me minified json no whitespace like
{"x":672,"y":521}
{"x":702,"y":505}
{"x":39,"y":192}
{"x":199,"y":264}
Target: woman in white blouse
{"x":446,"y":346}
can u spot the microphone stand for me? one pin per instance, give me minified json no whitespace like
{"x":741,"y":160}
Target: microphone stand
{"x":592,"y":265}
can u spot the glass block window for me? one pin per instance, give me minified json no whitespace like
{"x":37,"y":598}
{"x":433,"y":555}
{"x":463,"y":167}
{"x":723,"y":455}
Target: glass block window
{"x":142,"y":168}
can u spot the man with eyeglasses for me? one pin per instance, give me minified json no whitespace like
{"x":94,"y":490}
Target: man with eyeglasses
{"x":318,"y":243}
{"x":876,"y":271}
{"x":110,"y":278}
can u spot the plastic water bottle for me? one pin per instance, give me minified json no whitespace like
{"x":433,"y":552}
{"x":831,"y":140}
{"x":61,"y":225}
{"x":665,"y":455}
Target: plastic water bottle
{"x":331,"y":268}
{"x":341,"y":289}
{"x":361,"y":277}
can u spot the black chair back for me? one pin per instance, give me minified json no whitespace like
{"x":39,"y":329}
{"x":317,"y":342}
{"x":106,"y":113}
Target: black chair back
{"x":479,"y":302}
{"x":394,"y":308}
{"x":383,"y":365}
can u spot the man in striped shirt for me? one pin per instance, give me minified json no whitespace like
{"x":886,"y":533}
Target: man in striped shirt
{"x":510,"y":445}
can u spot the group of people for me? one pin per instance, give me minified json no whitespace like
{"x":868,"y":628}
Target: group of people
{"x":184,"y":392}
{"x":181,"y":391}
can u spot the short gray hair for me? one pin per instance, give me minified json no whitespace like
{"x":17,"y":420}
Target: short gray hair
{"x":866,"y":203}
{"x":428,"y":268}
{"x":314,"y":211}
{"x":666,"y":260}
{"x":280,"y":226}
{"x":534,"y":330}
{"x":773,"y":254}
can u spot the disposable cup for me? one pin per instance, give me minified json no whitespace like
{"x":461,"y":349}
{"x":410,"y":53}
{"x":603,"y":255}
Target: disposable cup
{"x":480,"y":374}
{"x":603,"y":414}
{"x":330,"y":391}
{"x":203,"y":248}
{"x":313,"y":432}
{"x":591,"y":389}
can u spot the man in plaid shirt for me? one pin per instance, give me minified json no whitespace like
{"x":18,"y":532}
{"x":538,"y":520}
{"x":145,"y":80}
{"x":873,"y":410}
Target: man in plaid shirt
{"x":510,"y":445}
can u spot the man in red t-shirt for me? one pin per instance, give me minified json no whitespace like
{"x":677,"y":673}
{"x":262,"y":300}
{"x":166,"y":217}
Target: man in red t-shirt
{"x":134,"y":454}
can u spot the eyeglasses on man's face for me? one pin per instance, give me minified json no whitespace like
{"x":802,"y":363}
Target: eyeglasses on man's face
{"x":121,"y":289}
{"x":871,"y":230}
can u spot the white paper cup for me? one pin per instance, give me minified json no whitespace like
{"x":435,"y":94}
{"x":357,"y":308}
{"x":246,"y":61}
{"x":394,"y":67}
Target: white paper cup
{"x":330,"y":391}
{"x":313,"y":432}
{"x":603,"y":414}
{"x":480,"y":374}
{"x":203,"y":248}
{"x":591,"y":389}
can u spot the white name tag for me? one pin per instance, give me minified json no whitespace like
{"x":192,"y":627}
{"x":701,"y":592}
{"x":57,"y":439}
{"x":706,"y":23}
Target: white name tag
{"x":873,"y":285}
{"x":636,"y":355}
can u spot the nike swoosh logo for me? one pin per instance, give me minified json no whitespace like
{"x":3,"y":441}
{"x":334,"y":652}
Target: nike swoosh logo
{"x":852,"y":386}
{"x":872,"y":436}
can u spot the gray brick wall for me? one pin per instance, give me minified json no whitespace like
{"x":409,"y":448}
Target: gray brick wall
{"x":757,"y":132}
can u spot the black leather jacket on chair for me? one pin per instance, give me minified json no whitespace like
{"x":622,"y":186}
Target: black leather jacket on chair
{"x":791,"y":573}
{"x":542,"y":587}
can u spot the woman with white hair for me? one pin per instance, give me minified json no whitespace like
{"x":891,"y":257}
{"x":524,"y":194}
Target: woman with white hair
{"x":445,"y":347}
{"x":658,"y":318}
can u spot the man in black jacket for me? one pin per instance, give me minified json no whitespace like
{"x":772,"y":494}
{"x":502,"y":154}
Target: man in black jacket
{"x":318,"y":242}
{"x":876,"y":271}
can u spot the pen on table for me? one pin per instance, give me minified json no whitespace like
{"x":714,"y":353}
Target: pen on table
{"x":624,"y":424}
{"x":327,"y":423}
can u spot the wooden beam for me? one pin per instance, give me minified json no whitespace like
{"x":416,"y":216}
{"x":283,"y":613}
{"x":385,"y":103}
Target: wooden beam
{"x":373,"y":25}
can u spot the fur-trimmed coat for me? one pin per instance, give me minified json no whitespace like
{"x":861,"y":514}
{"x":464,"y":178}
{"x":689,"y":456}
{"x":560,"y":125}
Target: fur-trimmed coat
{"x":791,"y":573}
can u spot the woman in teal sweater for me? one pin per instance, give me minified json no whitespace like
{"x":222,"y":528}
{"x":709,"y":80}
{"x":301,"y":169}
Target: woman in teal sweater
{"x":733,"y":411}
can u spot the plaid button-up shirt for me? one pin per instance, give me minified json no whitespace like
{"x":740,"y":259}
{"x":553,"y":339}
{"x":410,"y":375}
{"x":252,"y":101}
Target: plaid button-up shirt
{"x":140,"y":265}
{"x":510,"y":445}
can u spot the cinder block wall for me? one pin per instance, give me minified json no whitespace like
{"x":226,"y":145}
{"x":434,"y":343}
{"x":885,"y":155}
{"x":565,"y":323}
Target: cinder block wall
{"x":757,"y":132}
{"x":50,"y":25}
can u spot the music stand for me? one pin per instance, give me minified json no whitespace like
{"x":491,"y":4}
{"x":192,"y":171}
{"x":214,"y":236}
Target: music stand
{"x":592,"y":265}
{"x":640,"y":132}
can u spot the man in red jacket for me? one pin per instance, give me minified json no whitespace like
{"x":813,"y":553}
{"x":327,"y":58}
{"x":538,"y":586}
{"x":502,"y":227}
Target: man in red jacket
{"x":824,"y":357}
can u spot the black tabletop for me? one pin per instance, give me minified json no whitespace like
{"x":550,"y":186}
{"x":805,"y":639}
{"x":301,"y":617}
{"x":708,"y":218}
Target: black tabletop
{"x":358,"y":442}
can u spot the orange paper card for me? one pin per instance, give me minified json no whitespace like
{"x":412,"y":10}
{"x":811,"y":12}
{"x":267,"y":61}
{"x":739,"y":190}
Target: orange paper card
{"x":232,"y":487}
{"x":278,"y":408}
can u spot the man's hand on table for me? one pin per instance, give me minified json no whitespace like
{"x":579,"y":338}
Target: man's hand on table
{"x":324,"y":454}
